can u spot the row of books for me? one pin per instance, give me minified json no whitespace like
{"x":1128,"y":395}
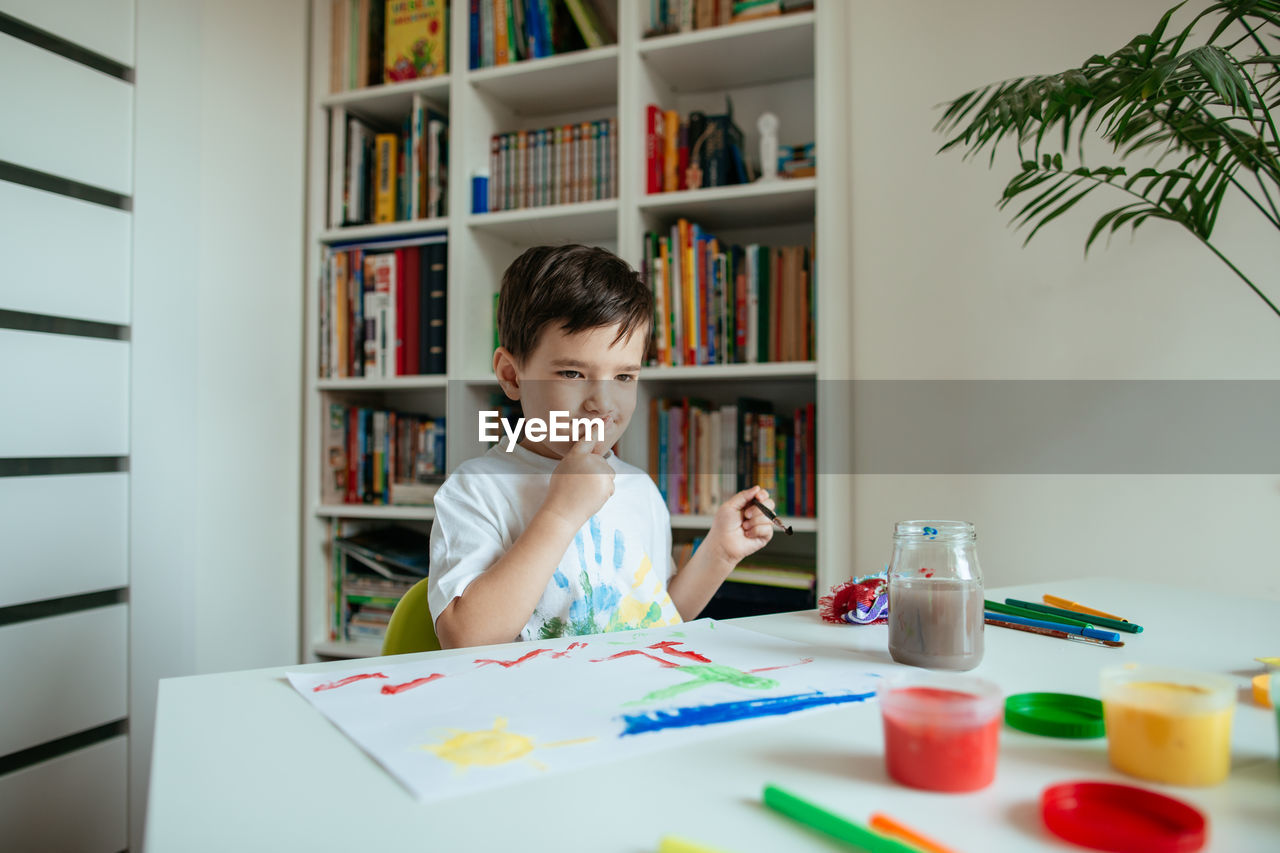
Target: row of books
{"x":728,"y":304}
{"x":372,"y":570}
{"x":377,"y":176}
{"x":760,"y":569}
{"x":700,"y":455}
{"x":554,"y":165}
{"x":377,"y":456}
{"x":505,"y":31}
{"x":372,"y":42}
{"x":382,"y":311}
{"x":687,"y":153}
{"x":682,"y":16}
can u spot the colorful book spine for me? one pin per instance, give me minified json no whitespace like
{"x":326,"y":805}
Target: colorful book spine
{"x":384,"y":209}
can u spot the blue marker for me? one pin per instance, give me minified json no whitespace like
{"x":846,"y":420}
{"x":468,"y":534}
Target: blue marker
{"x":1092,"y":633}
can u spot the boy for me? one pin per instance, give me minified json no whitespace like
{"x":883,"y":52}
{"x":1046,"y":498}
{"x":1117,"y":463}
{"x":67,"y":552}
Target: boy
{"x":552,"y":538}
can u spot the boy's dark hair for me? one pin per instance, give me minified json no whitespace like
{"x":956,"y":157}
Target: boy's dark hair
{"x":573,"y":287}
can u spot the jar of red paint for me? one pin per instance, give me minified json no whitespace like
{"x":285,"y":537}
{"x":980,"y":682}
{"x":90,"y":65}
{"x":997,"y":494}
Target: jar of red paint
{"x":941,"y":730}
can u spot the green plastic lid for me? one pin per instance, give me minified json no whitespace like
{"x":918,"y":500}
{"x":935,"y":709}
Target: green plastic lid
{"x":1055,"y":715}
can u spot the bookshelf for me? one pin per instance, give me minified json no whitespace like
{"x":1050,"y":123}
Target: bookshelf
{"x":791,"y":65}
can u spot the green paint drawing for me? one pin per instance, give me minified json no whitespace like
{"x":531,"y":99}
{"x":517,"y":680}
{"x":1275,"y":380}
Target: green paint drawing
{"x":708,"y":673}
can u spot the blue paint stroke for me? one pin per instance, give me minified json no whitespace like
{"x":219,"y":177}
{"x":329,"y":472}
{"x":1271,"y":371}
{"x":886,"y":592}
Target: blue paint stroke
{"x":728,"y":712}
{"x":594,"y":525}
{"x":619,"y":550}
{"x":582,"y":554}
{"x":560,"y":579}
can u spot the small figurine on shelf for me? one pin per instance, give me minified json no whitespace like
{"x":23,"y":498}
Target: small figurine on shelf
{"x":767,"y":124}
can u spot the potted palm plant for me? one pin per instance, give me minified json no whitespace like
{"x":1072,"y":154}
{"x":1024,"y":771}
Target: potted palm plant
{"x":1200,"y":111}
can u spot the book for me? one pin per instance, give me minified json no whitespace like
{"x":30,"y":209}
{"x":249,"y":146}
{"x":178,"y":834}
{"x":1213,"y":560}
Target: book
{"x":501,"y":55}
{"x":587,"y":18}
{"x":412,"y":291}
{"x":401,"y":314}
{"x":385,"y":147}
{"x":436,"y":306}
{"x":358,"y":171}
{"x":390,"y":550}
{"x":380,"y":314}
{"x":750,"y":10}
{"x":337,"y":166}
{"x":333,"y":475}
{"x":437,"y":157}
{"x":416,"y":41}
{"x":670,"y":143}
{"x":339,"y":16}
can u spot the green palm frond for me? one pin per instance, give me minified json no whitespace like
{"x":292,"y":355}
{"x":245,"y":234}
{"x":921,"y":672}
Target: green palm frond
{"x":1201,"y":112}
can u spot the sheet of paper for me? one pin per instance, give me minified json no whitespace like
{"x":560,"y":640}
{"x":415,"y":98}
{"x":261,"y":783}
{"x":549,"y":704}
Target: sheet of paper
{"x":456,"y":725}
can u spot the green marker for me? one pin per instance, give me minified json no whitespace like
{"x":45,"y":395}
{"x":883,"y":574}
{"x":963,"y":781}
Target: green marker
{"x":1028,"y":613}
{"x":822,"y":820}
{"x":1059,"y":613}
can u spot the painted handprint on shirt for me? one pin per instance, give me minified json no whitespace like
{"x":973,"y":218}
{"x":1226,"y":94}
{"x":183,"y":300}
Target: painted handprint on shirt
{"x":608,"y":603}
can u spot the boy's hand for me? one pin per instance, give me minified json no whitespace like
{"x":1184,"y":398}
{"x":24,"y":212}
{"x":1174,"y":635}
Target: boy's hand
{"x":739,"y":527}
{"x":581,"y":484}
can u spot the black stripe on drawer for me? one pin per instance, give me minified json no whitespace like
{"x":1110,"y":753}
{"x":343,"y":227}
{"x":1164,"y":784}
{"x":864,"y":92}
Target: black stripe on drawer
{"x":67,"y":49}
{"x":22,"y":321}
{"x":61,"y":606}
{"x":60,"y":747}
{"x":40,"y":466}
{"x":34,"y":178}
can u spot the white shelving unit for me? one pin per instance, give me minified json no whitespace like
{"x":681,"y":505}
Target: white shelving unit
{"x":791,"y":65}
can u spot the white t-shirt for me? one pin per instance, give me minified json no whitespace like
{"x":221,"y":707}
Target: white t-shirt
{"x":614,"y":575}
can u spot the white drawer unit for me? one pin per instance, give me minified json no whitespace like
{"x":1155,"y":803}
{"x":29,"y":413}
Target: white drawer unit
{"x":66,"y":674}
{"x":63,"y":535}
{"x":102,"y":26}
{"x":64,"y":257}
{"x":63,"y":395}
{"x":74,"y":803}
{"x":65,"y":118}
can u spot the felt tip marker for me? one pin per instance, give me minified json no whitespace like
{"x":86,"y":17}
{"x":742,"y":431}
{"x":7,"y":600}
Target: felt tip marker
{"x":676,"y":844}
{"x":782,"y":525}
{"x":818,"y":818}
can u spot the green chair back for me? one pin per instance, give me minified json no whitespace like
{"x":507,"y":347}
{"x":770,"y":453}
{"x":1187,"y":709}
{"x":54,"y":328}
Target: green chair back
{"x":411,"y":628}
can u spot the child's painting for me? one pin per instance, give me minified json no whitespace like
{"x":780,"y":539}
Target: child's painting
{"x":454,"y":725}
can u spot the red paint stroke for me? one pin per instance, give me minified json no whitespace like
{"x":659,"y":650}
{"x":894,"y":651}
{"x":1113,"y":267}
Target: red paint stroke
{"x":571,"y":647}
{"x":927,"y":572}
{"x":507,"y":664}
{"x":343,"y":682}
{"x":393,"y":689}
{"x":767,"y":668}
{"x":630,"y":652}
{"x":669,"y":647}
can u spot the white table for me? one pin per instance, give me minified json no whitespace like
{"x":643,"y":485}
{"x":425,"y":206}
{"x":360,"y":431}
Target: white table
{"x":242,"y":762}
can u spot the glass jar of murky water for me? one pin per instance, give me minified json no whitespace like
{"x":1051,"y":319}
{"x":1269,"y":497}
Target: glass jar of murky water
{"x":935,"y":595}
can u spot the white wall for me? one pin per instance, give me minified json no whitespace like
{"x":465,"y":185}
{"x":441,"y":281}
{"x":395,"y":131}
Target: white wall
{"x":942,"y":289}
{"x":219,"y":201}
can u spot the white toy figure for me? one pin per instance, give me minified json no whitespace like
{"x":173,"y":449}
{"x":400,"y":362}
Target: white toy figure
{"x":767,"y":124}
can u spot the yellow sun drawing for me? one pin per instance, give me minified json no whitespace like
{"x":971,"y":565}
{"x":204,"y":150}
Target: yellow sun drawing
{"x":491,"y":747}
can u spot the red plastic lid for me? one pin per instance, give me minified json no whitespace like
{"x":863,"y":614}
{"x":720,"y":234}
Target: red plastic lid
{"x":1121,"y":818}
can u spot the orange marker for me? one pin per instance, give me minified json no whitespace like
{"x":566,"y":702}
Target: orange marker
{"x":1055,"y":601}
{"x":882,"y":823}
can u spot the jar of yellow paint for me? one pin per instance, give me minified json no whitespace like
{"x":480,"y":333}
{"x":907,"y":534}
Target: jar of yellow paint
{"x":1168,"y":725}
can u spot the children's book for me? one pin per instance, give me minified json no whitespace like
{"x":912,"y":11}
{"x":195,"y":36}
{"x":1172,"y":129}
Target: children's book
{"x":416,"y":39}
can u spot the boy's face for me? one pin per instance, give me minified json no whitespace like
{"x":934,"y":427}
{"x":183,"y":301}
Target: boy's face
{"x":585,"y":374}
